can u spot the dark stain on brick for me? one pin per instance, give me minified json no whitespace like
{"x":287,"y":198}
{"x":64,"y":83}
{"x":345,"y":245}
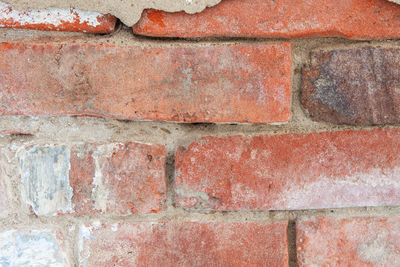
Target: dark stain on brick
{"x":358,"y":86}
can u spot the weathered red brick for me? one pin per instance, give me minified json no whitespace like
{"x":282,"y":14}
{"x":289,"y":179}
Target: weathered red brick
{"x":52,"y":19}
{"x":184,"y":84}
{"x":369,"y":241}
{"x":119,"y":179}
{"x":358,"y":86}
{"x":357,"y":19}
{"x":293,"y":171}
{"x":115,"y":178}
{"x":184,"y":244}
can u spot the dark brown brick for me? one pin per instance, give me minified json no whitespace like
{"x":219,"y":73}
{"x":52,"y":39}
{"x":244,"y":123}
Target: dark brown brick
{"x":359,"y":86}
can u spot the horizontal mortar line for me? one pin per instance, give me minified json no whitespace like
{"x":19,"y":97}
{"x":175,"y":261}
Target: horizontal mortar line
{"x":231,"y":216}
{"x":45,"y":137}
{"x":141,"y":39}
{"x":255,"y":39}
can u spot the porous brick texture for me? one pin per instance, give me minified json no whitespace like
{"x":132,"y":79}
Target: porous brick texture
{"x":184,"y":244}
{"x":183,"y":84}
{"x":363,"y":241}
{"x":357,"y":86}
{"x":356,"y":19}
{"x":292,"y":171}
{"x":245,"y":135}
{"x":113,"y":178}
{"x":52,"y":19}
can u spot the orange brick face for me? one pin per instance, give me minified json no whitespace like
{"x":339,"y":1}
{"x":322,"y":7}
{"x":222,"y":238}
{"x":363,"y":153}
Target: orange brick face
{"x":370,"y":241}
{"x":295,"y":171}
{"x":356,"y":19}
{"x":184,"y":244}
{"x":182,"y":84}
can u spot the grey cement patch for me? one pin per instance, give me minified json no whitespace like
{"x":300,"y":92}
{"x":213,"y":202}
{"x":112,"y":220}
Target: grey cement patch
{"x":395,"y":1}
{"x":128,"y":11}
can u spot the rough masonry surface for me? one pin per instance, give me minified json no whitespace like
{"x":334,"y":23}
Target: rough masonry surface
{"x":290,"y":172}
{"x":359,"y":86}
{"x":112,"y":178}
{"x":184,"y":244}
{"x":369,"y":19}
{"x":128,"y":11}
{"x":363,"y":241}
{"x":181,"y":84}
{"x":54,"y":19}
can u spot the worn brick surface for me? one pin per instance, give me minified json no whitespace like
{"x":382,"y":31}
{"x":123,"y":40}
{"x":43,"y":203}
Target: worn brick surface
{"x":358,"y":86}
{"x":294,"y":171}
{"x":357,"y":19}
{"x":184,"y":84}
{"x":44,"y":181}
{"x":114,"y":178}
{"x":369,"y":241}
{"x":33,"y":247}
{"x":52,"y":19}
{"x":184,"y":244}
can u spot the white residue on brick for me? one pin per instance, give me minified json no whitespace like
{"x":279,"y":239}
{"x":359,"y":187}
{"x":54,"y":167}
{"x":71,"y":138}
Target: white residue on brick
{"x":30,"y":248}
{"x":371,"y":188}
{"x":100,"y":191}
{"x":85,"y":233}
{"x":114,"y":227}
{"x":44,"y":174}
{"x":50,"y":16}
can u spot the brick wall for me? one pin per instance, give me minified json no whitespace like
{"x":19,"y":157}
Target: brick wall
{"x":255,"y":133}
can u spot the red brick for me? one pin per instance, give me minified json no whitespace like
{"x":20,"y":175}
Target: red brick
{"x":293,"y":171}
{"x":358,"y":86}
{"x":183,"y":84}
{"x":357,"y":19}
{"x":369,"y":241}
{"x":184,"y":244}
{"x":52,"y":19}
{"x":119,"y":179}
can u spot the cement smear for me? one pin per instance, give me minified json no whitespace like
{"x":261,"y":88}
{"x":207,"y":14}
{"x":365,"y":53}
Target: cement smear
{"x":128,"y":11}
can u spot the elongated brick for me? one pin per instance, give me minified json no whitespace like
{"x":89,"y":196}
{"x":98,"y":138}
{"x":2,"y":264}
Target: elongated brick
{"x":357,"y":19}
{"x":364,"y":241}
{"x":230,"y":83}
{"x":54,"y":19}
{"x":184,"y":244}
{"x":359,"y":86}
{"x":293,"y":171}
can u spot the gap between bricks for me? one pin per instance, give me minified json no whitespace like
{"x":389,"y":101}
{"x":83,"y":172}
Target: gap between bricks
{"x":214,"y":207}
